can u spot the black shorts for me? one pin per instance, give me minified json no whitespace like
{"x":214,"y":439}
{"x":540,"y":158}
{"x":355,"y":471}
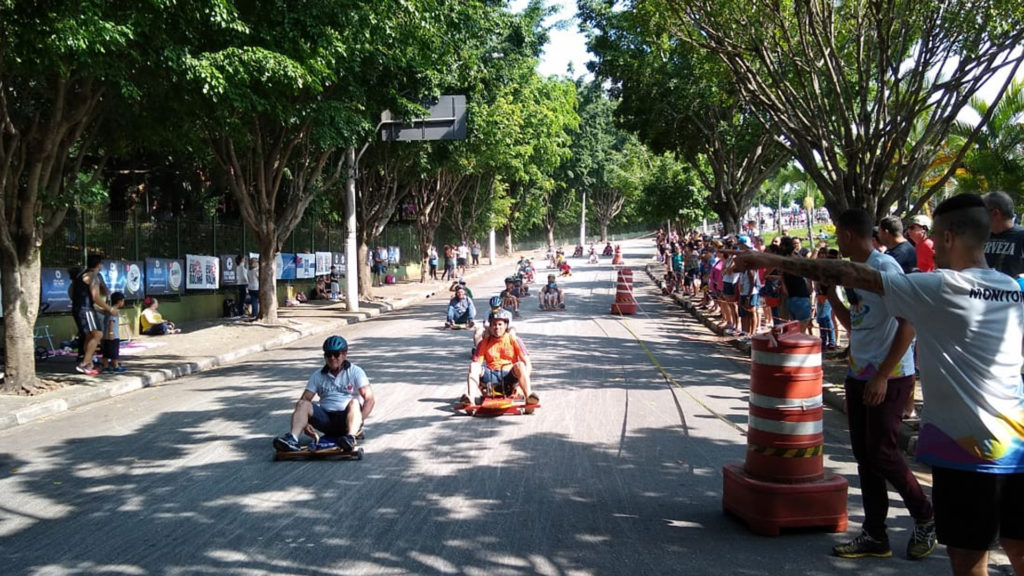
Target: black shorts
{"x":86,"y":320}
{"x":111,"y":349}
{"x":973,"y":509}
{"x":461,"y":261}
{"x":728,"y":290}
{"x":333,"y":424}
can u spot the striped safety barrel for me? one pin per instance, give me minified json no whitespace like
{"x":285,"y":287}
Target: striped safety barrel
{"x":785,"y":439}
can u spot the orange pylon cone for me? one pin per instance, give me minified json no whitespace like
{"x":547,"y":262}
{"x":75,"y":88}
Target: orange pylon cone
{"x":625,"y":303}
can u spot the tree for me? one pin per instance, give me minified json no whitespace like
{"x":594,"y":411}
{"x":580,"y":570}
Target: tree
{"x":625,"y":175}
{"x":845,"y":82}
{"x":995,"y":161}
{"x":679,"y":98}
{"x":65,"y":71}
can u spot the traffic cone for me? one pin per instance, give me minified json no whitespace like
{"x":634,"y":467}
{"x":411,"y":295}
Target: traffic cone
{"x":617,"y":258}
{"x":625,"y":303}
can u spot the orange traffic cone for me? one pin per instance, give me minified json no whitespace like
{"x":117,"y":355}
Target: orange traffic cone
{"x":625,"y":303}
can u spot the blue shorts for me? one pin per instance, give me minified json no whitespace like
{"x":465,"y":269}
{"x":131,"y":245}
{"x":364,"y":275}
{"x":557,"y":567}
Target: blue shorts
{"x":799,"y":308}
{"x":331,"y":423}
{"x":501,"y":380}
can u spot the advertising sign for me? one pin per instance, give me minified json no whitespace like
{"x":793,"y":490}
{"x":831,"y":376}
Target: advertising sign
{"x":229,"y":275}
{"x":323,"y":263}
{"x":164,"y":276}
{"x":305,"y":265}
{"x":286,"y":266}
{"x":114,"y":274}
{"x":134,"y":286}
{"x":394,"y":255}
{"x":54,"y":284}
{"x":338,"y":261}
{"x":203,"y":272}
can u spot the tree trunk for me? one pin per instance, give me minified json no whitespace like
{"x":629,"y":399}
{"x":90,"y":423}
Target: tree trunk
{"x":551,"y":236}
{"x":365,"y":277}
{"x":268,"y":279}
{"x":21,"y":308}
{"x":508,"y":238}
{"x":604,"y":231}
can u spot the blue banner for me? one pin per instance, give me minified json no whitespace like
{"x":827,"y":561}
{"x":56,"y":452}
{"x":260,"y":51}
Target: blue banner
{"x":164,"y":276}
{"x":54,"y":284}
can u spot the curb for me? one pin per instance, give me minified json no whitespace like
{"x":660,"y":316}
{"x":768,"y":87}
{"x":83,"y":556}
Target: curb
{"x":833,"y":394}
{"x":78,"y":397}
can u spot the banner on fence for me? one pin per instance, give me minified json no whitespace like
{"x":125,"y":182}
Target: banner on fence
{"x":338,"y":261}
{"x":394,"y":255}
{"x":54,"y":284}
{"x":203,"y":272}
{"x":164,"y":276}
{"x":114,"y":274}
{"x":134,"y":287}
{"x":323,"y":263}
{"x":286,"y":266}
{"x":229,"y":275}
{"x":305,"y":265}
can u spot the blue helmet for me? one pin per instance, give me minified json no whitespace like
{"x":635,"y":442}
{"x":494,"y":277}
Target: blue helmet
{"x":496,"y":302}
{"x":335,"y":344}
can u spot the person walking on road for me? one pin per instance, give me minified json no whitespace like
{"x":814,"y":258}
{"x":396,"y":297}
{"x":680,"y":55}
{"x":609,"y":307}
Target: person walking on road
{"x":878,"y":384}
{"x":345,"y":401}
{"x":970,"y":324}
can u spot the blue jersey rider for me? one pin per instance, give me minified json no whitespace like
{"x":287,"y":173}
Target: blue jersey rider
{"x":345,"y":401}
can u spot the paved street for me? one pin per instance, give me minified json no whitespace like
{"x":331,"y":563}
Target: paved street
{"x":618,"y":473}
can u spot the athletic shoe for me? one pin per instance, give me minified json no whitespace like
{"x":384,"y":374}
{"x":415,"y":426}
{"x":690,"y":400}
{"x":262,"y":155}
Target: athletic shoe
{"x":287,"y":443}
{"x":864,"y":546}
{"x":119,"y":369}
{"x":532,"y":399}
{"x":465,"y":401}
{"x":87,"y":371}
{"x":922,"y":541}
{"x":347,"y":443}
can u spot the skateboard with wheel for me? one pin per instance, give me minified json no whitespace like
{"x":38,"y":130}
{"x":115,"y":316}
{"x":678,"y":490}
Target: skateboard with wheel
{"x":323,"y":448}
{"x":498,"y":405}
{"x":459,"y":326}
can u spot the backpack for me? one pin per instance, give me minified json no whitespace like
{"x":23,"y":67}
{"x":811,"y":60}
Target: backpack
{"x":389,"y":279}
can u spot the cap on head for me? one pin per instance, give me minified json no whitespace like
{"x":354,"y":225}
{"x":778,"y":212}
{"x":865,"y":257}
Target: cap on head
{"x":744,"y":239}
{"x":335,"y":344}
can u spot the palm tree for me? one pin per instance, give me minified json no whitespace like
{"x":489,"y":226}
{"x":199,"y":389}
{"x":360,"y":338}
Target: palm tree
{"x":996,"y":161}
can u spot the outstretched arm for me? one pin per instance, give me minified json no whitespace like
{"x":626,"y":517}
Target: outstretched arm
{"x":826,"y":271}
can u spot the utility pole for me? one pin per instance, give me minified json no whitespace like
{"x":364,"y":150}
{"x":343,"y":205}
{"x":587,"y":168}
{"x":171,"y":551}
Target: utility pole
{"x":351,"y":256}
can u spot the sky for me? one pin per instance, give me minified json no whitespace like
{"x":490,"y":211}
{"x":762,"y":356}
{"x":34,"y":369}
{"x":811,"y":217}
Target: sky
{"x":566,"y":45}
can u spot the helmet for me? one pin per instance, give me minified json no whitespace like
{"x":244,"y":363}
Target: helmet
{"x":335,"y":344}
{"x":509,"y":280}
{"x":500,"y":315}
{"x":495,"y":302}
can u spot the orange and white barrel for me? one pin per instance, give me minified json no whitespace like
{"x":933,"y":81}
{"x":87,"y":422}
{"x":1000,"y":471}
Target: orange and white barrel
{"x":785,"y":437}
{"x":624,"y":303}
{"x":626,"y":275}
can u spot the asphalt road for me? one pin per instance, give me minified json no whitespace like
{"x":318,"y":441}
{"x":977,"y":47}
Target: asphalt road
{"x":620,"y":471}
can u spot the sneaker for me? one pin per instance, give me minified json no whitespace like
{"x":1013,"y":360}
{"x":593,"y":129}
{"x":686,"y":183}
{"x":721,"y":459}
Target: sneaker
{"x":465,"y":401}
{"x":347,"y":443}
{"x":90,"y":371}
{"x":864,"y":546}
{"x":287,"y":443}
{"x":922,"y":541}
{"x":119,"y":369}
{"x":533,"y":399}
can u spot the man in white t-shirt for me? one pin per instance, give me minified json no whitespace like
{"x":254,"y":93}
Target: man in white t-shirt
{"x":879,"y":381}
{"x":970,"y":324}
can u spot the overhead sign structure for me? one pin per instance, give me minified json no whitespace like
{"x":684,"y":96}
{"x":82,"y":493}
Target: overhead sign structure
{"x":445,"y":120}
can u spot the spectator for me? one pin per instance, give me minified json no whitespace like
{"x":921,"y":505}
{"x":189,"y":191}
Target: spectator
{"x":1004,"y":250}
{"x":970,"y":324}
{"x":798,"y":290}
{"x":432,"y":261}
{"x":335,"y":279}
{"x":153,"y":323}
{"x":449,"y":263}
{"x":474,"y":251}
{"x":253,"y":277}
{"x":87,"y":290}
{"x":243,"y":284}
{"x":111,"y":344}
{"x":890,"y":234}
{"x":918,"y":232}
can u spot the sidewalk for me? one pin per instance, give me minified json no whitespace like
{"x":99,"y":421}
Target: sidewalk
{"x":834,"y":366}
{"x":151,"y":360}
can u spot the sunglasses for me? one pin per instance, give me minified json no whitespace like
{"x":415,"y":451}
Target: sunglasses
{"x":335,"y":353}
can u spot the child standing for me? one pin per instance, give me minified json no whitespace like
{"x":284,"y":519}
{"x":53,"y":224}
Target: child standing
{"x":111,"y":344}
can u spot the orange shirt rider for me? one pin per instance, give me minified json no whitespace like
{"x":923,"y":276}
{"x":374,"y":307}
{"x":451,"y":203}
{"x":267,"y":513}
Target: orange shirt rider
{"x":500,"y":353}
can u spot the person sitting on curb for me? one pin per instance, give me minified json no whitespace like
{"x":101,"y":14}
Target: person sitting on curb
{"x":551,"y":295}
{"x":460,"y":310}
{"x":153,"y":323}
{"x":500,"y":363}
{"x":345,"y":401}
